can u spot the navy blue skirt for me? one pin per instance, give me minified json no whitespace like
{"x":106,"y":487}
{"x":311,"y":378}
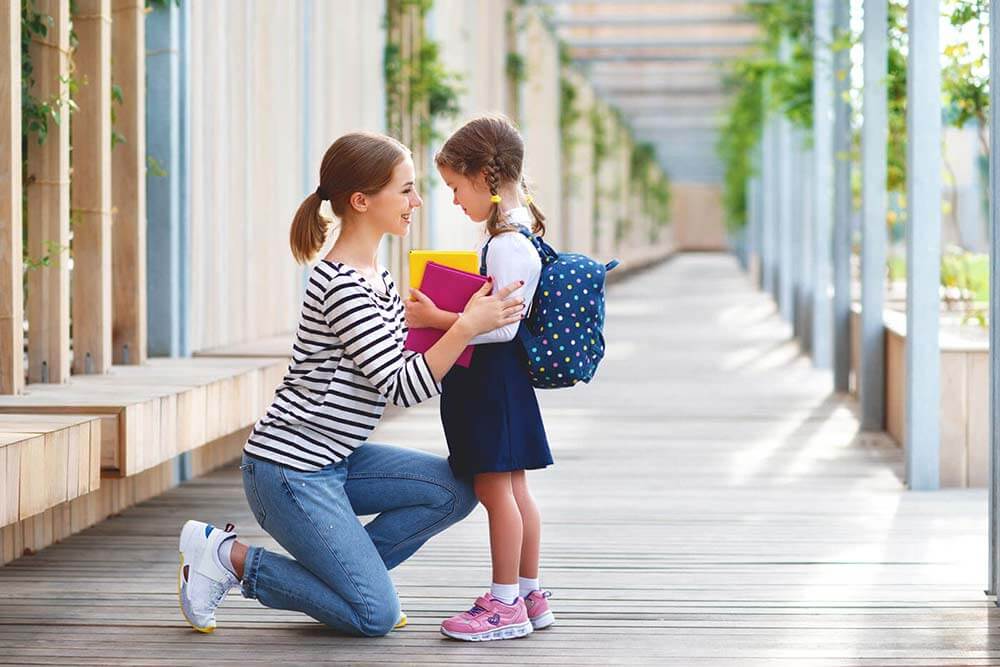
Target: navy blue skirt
{"x":490,"y":413}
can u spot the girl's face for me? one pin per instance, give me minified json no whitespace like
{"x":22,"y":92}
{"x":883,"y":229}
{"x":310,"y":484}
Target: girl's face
{"x":471,"y":194}
{"x":389,"y":209}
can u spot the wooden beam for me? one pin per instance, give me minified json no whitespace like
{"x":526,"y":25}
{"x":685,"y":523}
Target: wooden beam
{"x":91,"y":191}
{"x":47,"y":189}
{"x":128,"y":166}
{"x":11,"y":290}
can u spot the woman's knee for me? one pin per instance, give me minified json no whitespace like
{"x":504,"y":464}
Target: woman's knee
{"x":380,"y":616}
{"x":465,"y":499}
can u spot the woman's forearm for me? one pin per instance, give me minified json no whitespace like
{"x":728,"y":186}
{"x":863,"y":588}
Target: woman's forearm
{"x":444,"y":353}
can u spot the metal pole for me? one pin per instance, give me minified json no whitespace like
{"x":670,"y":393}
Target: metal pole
{"x":994,"y":240}
{"x":923,"y":247}
{"x":842,"y":207}
{"x":822,"y":327}
{"x":874,"y":162}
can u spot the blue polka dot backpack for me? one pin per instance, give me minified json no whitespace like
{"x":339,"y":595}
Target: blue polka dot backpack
{"x":564,"y":335}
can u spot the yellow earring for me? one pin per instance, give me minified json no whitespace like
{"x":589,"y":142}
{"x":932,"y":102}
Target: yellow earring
{"x":496,"y":199}
{"x":528,"y":200}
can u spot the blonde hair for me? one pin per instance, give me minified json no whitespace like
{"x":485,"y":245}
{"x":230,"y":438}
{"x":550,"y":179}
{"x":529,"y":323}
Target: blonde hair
{"x":490,"y":145}
{"x":356,"y":162}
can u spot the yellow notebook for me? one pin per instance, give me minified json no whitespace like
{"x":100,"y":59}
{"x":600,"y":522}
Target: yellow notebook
{"x":463,"y":260}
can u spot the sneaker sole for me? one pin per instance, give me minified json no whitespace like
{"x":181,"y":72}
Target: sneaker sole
{"x":189,"y":528}
{"x":543,"y":621}
{"x":506,"y":632}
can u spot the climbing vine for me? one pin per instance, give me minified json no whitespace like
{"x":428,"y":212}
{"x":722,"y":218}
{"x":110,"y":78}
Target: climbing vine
{"x":417,"y":83}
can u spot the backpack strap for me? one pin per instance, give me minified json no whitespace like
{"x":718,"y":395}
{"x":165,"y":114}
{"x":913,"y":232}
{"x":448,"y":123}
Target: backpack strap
{"x":486,"y":246}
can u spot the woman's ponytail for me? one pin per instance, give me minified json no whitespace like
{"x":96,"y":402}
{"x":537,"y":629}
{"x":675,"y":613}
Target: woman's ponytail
{"x":309,"y":229}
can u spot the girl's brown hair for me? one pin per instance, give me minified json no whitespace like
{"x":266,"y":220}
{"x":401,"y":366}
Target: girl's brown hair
{"x":490,"y":145}
{"x":356,"y":162}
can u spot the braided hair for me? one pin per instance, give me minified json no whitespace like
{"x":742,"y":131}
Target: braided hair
{"x":492,"y":146}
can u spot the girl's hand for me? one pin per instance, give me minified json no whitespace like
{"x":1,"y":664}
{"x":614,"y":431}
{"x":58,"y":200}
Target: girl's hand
{"x":422,"y":313}
{"x":485,"y":312}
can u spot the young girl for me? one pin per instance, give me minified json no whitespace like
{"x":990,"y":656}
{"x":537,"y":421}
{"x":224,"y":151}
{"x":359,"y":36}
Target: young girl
{"x":489,"y":410}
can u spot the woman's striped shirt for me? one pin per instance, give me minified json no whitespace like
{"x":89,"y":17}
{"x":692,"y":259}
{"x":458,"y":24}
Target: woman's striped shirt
{"x":348,"y":360}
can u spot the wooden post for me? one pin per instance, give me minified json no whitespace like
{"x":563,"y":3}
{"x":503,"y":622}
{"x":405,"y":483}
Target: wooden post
{"x":11,"y":268}
{"x":47,"y":188}
{"x":91,"y":191}
{"x":128,"y":164}
{"x":923,"y":247}
{"x":874,"y":133}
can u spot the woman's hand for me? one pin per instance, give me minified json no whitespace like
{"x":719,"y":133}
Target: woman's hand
{"x":422,"y":313}
{"x":485,"y":312}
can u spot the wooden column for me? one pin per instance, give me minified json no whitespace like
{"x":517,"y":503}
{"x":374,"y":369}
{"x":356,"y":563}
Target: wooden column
{"x":47,"y":189}
{"x":11,"y":291}
{"x":128,"y":165}
{"x":91,"y":191}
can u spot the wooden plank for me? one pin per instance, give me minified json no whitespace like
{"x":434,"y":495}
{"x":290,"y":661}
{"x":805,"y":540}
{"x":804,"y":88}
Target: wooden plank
{"x":128,"y":164}
{"x":978,"y":442}
{"x":92,"y":190}
{"x":954,"y":406}
{"x":11,"y":292}
{"x":47,"y":188}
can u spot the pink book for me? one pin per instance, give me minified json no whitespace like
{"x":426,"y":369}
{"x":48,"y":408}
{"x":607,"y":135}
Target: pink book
{"x":449,"y":289}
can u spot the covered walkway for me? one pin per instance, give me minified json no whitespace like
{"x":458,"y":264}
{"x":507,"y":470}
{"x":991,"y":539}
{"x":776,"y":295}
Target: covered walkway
{"x":712,"y":502}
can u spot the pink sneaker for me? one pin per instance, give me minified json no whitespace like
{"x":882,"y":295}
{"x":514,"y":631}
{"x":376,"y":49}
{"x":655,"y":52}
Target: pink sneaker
{"x":489,"y":619}
{"x":537,"y":604}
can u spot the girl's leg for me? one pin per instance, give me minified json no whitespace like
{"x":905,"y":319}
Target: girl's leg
{"x":495,"y":492}
{"x":335,"y":574}
{"x":531,"y":522}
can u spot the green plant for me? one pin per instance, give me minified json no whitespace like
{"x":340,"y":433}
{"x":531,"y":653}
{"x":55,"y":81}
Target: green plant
{"x":421,"y":74}
{"x":965,"y":279}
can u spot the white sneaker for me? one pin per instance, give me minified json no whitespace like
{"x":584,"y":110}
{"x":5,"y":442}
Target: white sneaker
{"x":202,"y":580}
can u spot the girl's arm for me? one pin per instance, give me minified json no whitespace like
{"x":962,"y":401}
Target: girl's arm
{"x":511,"y":257}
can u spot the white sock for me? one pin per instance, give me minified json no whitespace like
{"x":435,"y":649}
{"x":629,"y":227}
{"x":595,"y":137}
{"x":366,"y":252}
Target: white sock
{"x":525,"y":586}
{"x":506,"y":593}
{"x":225,"y":554}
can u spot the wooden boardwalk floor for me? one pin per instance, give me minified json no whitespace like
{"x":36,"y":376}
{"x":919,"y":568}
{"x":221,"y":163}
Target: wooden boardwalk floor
{"x":711,"y":504}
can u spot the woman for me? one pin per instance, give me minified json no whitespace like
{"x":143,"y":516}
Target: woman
{"x":307,"y":471}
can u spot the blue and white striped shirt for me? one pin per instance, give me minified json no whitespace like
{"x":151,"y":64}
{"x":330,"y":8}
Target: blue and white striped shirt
{"x":348,"y":360}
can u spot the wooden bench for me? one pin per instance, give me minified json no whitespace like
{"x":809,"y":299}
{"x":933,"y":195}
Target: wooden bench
{"x":154,"y":412}
{"x":46,"y":460}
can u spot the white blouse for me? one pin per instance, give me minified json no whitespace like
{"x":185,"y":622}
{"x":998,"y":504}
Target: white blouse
{"x":512,"y":257}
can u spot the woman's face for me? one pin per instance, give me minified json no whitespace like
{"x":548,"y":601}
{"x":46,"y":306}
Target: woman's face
{"x":471,"y":194}
{"x":390,"y":208}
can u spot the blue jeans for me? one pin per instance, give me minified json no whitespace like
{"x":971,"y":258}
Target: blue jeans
{"x":340,"y":571}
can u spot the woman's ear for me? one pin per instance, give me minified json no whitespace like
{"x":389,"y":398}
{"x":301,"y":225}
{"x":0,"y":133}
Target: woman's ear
{"x":359,"y":202}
